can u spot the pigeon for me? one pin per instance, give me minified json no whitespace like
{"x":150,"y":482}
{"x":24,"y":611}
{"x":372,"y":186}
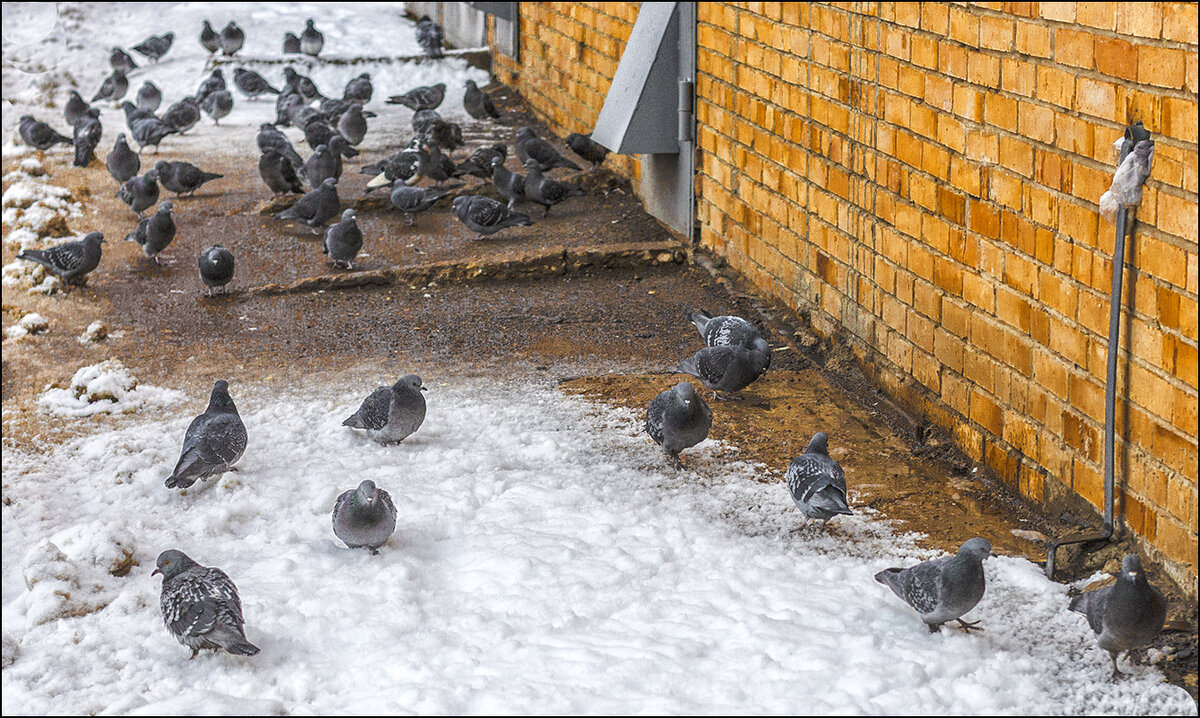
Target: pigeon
{"x":421,"y":98}
{"x":1126,"y":188}
{"x":479,"y":164}
{"x":339,"y":147}
{"x":75,"y":108}
{"x":1125,"y":615}
{"x":429,"y":36}
{"x":87,"y":136}
{"x":728,"y":369}
{"x":318,"y":132}
{"x":678,"y":419}
{"x":200,"y":606}
{"x":278,"y":173}
{"x":477,"y":103}
{"x":183,"y":178}
{"x":183,"y":115}
{"x":343,"y":240}
{"x":140,"y":193}
{"x":149,"y":97}
{"x":359,"y":89}
{"x":583,"y":146}
{"x":725,"y":330}
{"x":209,"y":38}
{"x":113,"y":88}
{"x":216,"y":267}
{"x":214,"y":441}
{"x":303,"y":114}
{"x":302,"y":84}
{"x":155,"y":46}
{"x":211,"y":84}
{"x":332,"y":108}
{"x":433,"y":164}
{"x":364,"y":517}
{"x":422,"y":121}
{"x":411,"y":200}
{"x":444,"y":134}
{"x":134,"y":113}
{"x":69,"y":261}
{"x":352,"y":125}
{"x":286,"y":105}
{"x":270,"y":138}
{"x":315,"y":208}
{"x":817,"y":483}
{"x":942,"y":589}
{"x":509,"y":184}
{"x":318,"y":167}
{"x":120,"y":60}
{"x":529,"y":146}
{"x":122,"y":163}
{"x":400,"y":166}
{"x":485,"y":215}
{"x":545,"y":191}
{"x":391,"y":414}
{"x":36,"y":133}
{"x":217,"y":104}
{"x":252,"y":84}
{"x":155,"y":232}
{"x":147,"y":129}
{"x":311,"y":40}
{"x":291,"y":44}
{"x":232,"y":39}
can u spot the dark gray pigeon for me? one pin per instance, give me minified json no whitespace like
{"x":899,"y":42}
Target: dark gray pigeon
{"x":479,"y":164}
{"x":444,"y":134}
{"x":364,"y":517}
{"x":585,"y":147}
{"x":36,"y":133}
{"x":183,"y":178}
{"x":422,"y":121}
{"x":113,"y":88}
{"x":509,"y":184}
{"x":183,"y":115}
{"x":477,"y":103}
{"x":149,"y":130}
{"x":121,"y":60}
{"x":304,"y":114}
{"x":315,"y":208}
{"x":149,"y":97}
{"x":359,"y":89}
{"x":725,"y":330}
{"x":87,"y":136}
{"x":69,"y":261}
{"x":1127,"y":181}
{"x":232,"y":39}
{"x":400,"y":166}
{"x":216,"y":267}
{"x":817,"y":483}
{"x":413,"y":200}
{"x":545,"y":191}
{"x":155,"y":232}
{"x":343,"y":240}
{"x":155,"y":46}
{"x":320,"y":166}
{"x":211,"y":84}
{"x":531,"y":147}
{"x":302,"y":84}
{"x":429,"y":36}
{"x":289,"y":102}
{"x":140,"y":193}
{"x":134,"y":113}
{"x":291,"y":44}
{"x":485,"y":215}
{"x":75,"y":108}
{"x":942,"y":589}
{"x":339,"y":147}
{"x":421,"y":98}
{"x":433,"y":164}
{"x":252,"y":84}
{"x":217,"y":104}
{"x":270,"y":138}
{"x":678,"y":419}
{"x":352,"y":125}
{"x":1128,"y":614}
{"x":391,"y":414}
{"x":214,"y":441}
{"x":311,"y":40}
{"x":122,"y":163}
{"x":727,"y":368}
{"x":278,"y":173}
{"x":318,"y":132}
{"x":200,"y":606}
{"x":209,"y":38}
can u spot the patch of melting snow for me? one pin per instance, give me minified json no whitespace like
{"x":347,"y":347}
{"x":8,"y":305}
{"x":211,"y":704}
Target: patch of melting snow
{"x":107,"y":387}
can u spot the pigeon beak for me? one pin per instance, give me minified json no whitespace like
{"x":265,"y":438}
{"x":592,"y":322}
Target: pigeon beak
{"x":424,"y":388}
{"x":379,"y":180}
{"x":155,"y":572}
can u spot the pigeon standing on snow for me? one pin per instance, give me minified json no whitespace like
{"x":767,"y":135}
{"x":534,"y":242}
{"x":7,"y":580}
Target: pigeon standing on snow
{"x":214,"y":441}
{"x":36,"y":133}
{"x":183,"y":178}
{"x":364,"y":517}
{"x":211,"y":84}
{"x":216,"y":267}
{"x":87,"y":137}
{"x":411,"y":200}
{"x":545,"y":191}
{"x":140,"y":193}
{"x":429,"y":36}
{"x":678,"y":419}
{"x":149,"y":97}
{"x":817,"y":483}
{"x":485,"y":215}
{"x":122,"y":163}
{"x":217,"y":104}
{"x":252,"y":84}
{"x":279,"y":174}
{"x":421,"y":98}
{"x":1126,"y":615}
{"x":530,"y":146}
{"x":343,"y":240}
{"x":1126,"y":188}
{"x":315,"y":208}
{"x":291,"y":44}
{"x":725,"y":330}
{"x":155,"y":46}
{"x":200,"y":605}
{"x":728,"y":368}
{"x":311,"y":40}
{"x":232,"y":39}
{"x":477,"y":103}
{"x":942,"y":589}
{"x":183,"y":115}
{"x":120,"y":60}
{"x":391,"y":414}
{"x":113,"y":88}
{"x":209,"y":38}
{"x":155,"y":232}
{"x":69,"y":261}
{"x":302,"y":84}
{"x":75,"y":108}
{"x":585,"y":147}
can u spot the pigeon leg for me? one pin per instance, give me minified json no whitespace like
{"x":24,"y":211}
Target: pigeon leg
{"x":968,"y":626}
{"x":1117,"y":674}
{"x":408,"y":219}
{"x":195,"y":652}
{"x":374,"y":552}
{"x":675,"y":462}
{"x":933,"y":627}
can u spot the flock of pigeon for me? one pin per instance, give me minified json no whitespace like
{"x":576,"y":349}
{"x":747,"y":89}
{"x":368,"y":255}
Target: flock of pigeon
{"x":200,"y":605}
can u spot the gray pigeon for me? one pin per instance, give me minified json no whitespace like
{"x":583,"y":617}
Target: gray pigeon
{"x":391,"y":414}
{"x":343,"y":240}
{"x":422,"y":121}
{"x":69,"y":261}
{"x":728,"y":368}
{"x":155,"y":46}
{"x":183,"y":115}
{"x":113,"y":88}
{"x":444,"y":134}
{"x":122,"y":163}
{"x":725,"y":330}
{"x":278,"y":173}
{"x":530,"y":146}
{"x":411,"y":200}
{"x":588,"y":149}
{"x":36,"y":133}
{"x":319,"y":132}
{"x":289,"y":102}
{"x":149,"y":97}
{"x":120,"y":60}
{"x":302,"y":84}
{"x":214,"y":441}
{"x":429,"y":36}
{"x":217,"y":104}
{"x":509,"y":184}
{"x":1126,"y":615}
{"x":315,"y":208}
{"x":477,"y":103}
{"x":817,"y":483}
{"x":433,"y":164}
{"x":485,"y":215}
{"x":479,"y":164}
{"x":352,"y":125}
{"x":678,"y":419}
{"x":421,"y":98}
{"x":211,"y":84}
{"x":311,"y":40}
{"x":364,"y":517}
{"x":183,"y":178}
{"x":232,"y":39}
{"x":942,"y":589}
{"x":252,"y":84}
{"x":216,"y":267}
{"x":209,"y":38}
{"x":545,"y":191}
{"x":270,"y":138}
{"x":291,"y":44}
{"x":320,"y":166}
{"x":200,"y":606}
{"x":1126,"y":188}
{"x":400,"y":166}
{"x":155,"y":232}
{"x":149,"y":131}
{"x":75,"y":108}
{"x":140,"y":193}
{"x":359,"y":89}
{"x":87,"y":137}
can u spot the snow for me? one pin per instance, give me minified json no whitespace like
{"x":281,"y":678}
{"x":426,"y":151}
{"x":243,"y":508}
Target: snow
{"x":546,"y":560}
{"x":108,"y":388}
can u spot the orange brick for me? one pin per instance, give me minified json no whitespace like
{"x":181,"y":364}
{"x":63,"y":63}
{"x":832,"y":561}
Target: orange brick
{"x":1074,"y":47}
{"x":1097,"y":14}
{"x":1033,"y":39}
{"x":1140,"y":19}
{"x":1179,"y":119}
{"x":1161,"y":66}
{"x":1060,"y":11}
{"x":964,"y":26}
{"x":996,"y":33}
{"x":1179,"y":22}
{"x":1117,"y":58}
{"x":1096,"y":98}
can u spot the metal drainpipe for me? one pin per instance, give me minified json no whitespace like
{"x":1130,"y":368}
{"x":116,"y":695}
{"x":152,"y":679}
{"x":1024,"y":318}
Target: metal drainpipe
{"x":1133,"y":134}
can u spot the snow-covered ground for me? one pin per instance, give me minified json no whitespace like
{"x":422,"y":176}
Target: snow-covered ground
{"x":546,"y":560}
